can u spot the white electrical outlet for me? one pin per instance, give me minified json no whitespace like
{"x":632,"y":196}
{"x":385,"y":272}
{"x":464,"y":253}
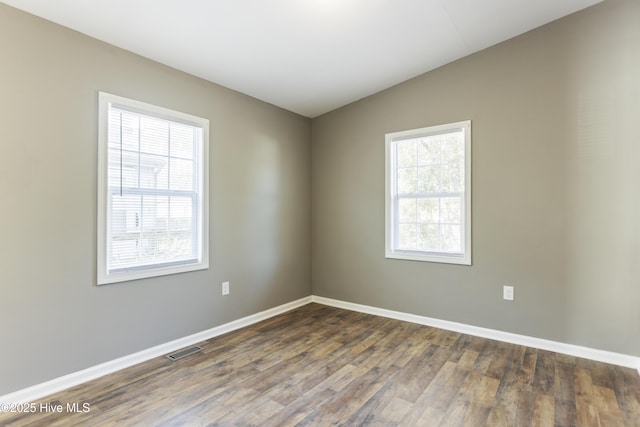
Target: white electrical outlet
{"x":225,"y":288}
{"x":507,"y":293}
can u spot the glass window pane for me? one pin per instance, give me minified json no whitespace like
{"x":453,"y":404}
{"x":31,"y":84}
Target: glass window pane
{"x":453,"y":147}
{"x":407,"y":180}
{"x":153,"y":172}
{"x":124,"y":252}
{"x":407,"y":210}
{"x":428,"y":237}
{"x":123,"y":130}
{"x":113,"y":167}
{"x":149,"y":249}
{"x":155,"y":213}
{"x":130,"y":131}
{"x":154,"y":136}
{"x":451,"y":210}
{"x":182,"y":141}
{"x":180,"y":213}
{"x":181,"y":245}
{"x":451,"y":238}
{"x":453,"y":178}
{"x":429,"y":210}
{"x":406,"y":153}
{"x":127,"y":211}
{"x":429,"y":179}
{"x":125,"y":175}
{"x":114,"y":132}
{"x":407,"y":236}
{"x":428,"y":151}
{"x":125,"y":229}
{"x":182,"y":175}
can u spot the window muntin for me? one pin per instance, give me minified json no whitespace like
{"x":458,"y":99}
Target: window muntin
{"x":428,"y":194}
{"x":152,"y":213}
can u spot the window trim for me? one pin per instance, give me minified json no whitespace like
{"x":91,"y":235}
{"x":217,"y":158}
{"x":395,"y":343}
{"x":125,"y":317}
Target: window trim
{"x":391,"y":196}
{"x":105,"y":101}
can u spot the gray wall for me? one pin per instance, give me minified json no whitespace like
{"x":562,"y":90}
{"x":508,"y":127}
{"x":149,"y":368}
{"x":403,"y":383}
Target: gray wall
{"x":556,"y":206}
{"x":54,"y":318}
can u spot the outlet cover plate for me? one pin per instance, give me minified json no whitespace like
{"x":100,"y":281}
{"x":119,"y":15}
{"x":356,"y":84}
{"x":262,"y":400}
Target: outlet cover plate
{"x":507,"y":293}
{"x":225,"y":288}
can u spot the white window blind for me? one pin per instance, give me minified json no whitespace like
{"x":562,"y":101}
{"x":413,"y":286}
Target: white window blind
{"x":153,"y":204}
{"x":428,"y":194}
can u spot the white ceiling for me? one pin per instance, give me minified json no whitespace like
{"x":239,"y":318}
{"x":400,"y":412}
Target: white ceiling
{"x":307,"y":56}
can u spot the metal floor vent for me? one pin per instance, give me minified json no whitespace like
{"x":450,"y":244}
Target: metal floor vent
{"x":184,"y":352}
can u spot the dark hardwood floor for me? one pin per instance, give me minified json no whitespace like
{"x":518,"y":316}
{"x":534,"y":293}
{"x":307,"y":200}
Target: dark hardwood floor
{"x":318,"y":366}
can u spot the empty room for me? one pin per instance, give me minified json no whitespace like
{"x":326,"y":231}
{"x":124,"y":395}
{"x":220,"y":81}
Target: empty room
{"x":320,"y":212}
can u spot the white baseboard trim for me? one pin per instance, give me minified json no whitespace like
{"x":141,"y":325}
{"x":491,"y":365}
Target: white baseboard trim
{"x":71,"y":380}
{"x":47,"y":388}
{"x":558,"y":347}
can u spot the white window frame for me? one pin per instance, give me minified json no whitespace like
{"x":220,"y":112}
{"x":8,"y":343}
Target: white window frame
{"x":104,"y":276}
{"x":391,"y":197}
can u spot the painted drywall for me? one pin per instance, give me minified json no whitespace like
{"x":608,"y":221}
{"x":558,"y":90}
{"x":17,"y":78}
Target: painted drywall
{"x":54,"y":318}
{"x":556,"y":206}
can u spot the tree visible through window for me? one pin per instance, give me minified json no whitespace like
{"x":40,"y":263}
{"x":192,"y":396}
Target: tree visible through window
{"x":153,"y":204}
{"x":428,"y":194}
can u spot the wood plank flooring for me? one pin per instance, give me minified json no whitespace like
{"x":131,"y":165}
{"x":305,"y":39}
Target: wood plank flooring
{"x":318,"y":366}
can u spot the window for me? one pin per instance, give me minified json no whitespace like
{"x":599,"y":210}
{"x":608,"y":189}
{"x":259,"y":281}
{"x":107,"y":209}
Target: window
{"x":152,"y":191}
{"x":428,"y":194}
